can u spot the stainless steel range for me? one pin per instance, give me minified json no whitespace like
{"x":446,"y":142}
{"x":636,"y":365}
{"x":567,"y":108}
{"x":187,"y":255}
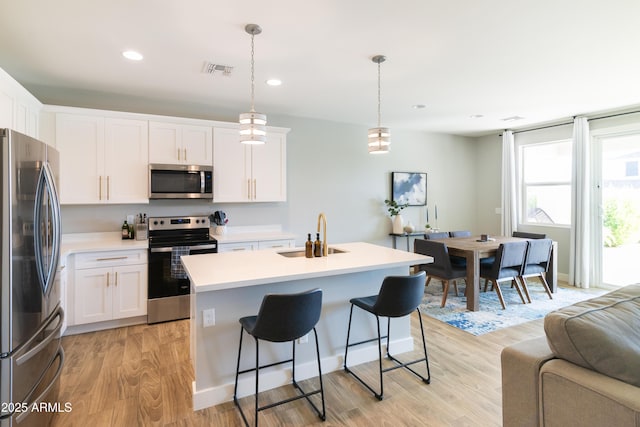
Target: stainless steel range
{"x":169,"y":239}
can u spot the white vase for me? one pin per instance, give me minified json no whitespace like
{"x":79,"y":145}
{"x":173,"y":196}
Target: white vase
{"x":398,"y":224}
{"x":409,"y":228}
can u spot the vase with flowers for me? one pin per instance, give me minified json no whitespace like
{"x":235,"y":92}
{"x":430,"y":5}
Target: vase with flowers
{"x":396,"y":219}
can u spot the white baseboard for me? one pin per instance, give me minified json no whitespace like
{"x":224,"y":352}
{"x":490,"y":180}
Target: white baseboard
{"x":101,"y":326}
{"x":274,"y":377}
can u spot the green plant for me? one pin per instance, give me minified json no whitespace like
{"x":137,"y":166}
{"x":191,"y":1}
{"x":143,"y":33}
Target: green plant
{"x":619,"y":220}
{"x":393,"y":207}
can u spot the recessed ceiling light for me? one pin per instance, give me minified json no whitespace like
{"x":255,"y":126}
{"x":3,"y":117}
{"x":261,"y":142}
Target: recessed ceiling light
{"x":512,"y":119}
{"x":418,"y":106}
{"x":132,"y":55}
{"x":274,"y":82}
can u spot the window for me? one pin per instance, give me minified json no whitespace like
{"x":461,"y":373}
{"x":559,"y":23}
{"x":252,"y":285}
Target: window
{"x":545,"y":176}
{"x":631,"y":168}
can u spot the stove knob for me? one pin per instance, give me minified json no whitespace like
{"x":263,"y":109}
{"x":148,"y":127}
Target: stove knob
{"x":155,"y":222}
{"x":162,"y":222}
{"x":197,"y":221}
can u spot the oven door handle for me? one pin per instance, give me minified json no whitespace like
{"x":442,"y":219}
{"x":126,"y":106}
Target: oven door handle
{"x":191,"y":248}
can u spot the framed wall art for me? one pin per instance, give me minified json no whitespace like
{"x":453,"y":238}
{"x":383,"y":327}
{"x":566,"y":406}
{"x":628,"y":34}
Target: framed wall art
{"x":409,"y":187}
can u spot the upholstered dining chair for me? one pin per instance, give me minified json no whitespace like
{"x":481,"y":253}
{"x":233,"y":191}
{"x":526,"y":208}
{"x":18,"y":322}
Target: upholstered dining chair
{"x":441,"y":268}
{"x":508,"y":265}
{"x":399,"y":296}
{"x":460,"y":233}
{"x":536,"y":264}
{"x":458,"y":260}
{"x":436,"y":235}
{"x":527,"y":235}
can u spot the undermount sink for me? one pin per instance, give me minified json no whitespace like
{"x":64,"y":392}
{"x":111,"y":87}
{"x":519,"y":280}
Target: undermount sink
{"x":300,"y":253}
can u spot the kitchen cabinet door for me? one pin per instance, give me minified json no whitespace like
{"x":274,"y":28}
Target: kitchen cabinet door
{"x":126,"y":161}
{"x":248,"y":173}
{"x":80,"y":141}
{"x":231,"y":167}
{"x":130,"y":291}
{"x":93,"y":299}
{"x":237,"y":246}
{"x":171,"y":143}
{"x":102,"y":160}
{"x":268,"y":169}
{"x":197,"y":142}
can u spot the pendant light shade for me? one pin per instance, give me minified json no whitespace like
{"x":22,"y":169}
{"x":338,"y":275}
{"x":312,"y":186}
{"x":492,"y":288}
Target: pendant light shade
{"x":253,"y":125}
{"x":379,"y":137}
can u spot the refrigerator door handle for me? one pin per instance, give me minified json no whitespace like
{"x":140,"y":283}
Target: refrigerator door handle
{"x":53,"y":334}
{"x":40,"y":399}
{"x":54,"y":200}
{"x":46,"y":183}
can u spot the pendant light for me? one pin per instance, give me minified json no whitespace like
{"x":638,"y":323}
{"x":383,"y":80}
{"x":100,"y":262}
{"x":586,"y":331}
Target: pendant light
{"x":379,"y":137}
{"x":253,"y":128}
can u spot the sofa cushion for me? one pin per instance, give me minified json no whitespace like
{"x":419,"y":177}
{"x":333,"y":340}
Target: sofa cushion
{"x":601,"y":334}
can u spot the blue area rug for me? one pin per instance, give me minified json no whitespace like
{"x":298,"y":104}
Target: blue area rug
{"x":491,"y":316}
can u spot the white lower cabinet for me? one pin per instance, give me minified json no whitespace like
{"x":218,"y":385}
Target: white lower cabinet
{"x":256,"y":245}
{"x":110,"y":286}
{"x":237,"y":246}
{"x":276,"y":244}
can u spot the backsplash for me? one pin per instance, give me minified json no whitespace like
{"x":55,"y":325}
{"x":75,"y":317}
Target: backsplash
{"x":105,"y":218}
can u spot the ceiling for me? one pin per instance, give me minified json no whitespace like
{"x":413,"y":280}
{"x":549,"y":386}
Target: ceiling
{"x":543,"y":60}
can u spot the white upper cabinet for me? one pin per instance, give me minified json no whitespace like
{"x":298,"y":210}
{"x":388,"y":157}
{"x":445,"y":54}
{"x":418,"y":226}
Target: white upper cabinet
{"x":19,"y":110}
{"x":103,"y":160}
{"x":171,"y":143}
{"x":249,"y":173}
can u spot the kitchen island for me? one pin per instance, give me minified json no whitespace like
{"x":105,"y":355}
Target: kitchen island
{"x":228,"y":286}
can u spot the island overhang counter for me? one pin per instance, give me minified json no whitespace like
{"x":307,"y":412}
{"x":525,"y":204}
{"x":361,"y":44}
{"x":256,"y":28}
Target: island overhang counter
{"x":231,"y":285}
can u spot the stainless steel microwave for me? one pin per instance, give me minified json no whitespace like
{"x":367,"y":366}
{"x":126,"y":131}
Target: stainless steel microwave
{"x":180,"y":182}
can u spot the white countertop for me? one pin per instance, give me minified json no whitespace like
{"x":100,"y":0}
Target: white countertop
{"x":210,"y":272}
{"x":91,"y":242}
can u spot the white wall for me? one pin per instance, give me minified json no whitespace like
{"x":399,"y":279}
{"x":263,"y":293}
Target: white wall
{"x":329,"y":170}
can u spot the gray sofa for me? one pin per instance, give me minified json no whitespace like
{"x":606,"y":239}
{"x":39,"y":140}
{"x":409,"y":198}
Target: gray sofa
{"x":585,"y":371}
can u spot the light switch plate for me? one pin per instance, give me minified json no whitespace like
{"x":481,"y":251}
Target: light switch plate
{"x":208,"y":317}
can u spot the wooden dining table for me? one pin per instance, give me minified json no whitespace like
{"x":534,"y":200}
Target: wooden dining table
{"x":473,"y":250}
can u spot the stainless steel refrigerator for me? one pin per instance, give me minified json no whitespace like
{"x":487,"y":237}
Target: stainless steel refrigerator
{"x":31,"y":356}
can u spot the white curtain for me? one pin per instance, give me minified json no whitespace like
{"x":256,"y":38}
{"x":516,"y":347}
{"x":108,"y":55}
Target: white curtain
{"x":509,"y":206}
{"x":579,"y":252}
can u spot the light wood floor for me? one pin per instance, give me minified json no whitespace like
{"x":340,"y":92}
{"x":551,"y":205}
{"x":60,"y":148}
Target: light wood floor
{"x":141,"y":376}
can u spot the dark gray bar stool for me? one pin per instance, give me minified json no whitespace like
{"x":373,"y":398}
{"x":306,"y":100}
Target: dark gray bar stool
{"x":399,"y":296}
{"x":282,"y":318}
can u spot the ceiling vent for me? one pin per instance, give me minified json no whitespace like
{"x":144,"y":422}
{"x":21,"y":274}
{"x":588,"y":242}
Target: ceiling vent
{"x":211,"y":68}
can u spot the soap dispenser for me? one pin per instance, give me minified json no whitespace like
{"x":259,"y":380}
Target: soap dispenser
{"x":308,"y":247}
{"x":317,"y":246}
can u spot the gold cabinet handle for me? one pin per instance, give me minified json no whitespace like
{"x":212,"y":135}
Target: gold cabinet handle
{"x":255,"y":189}
{"x":108,"y":188}
{"x":100,"y":187}
{"x":178,"y":154}
{"x":107,"y":280}
{"x":185,"y":154}
{"x":249,"y":189}
{"x":116,"y":278}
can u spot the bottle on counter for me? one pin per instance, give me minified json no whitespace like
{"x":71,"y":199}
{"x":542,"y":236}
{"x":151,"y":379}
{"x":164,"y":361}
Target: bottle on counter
{"x":125,"y":230}
{"x":317,"y":246}
{"x":308,"y":247}
{"x":131,"y":232}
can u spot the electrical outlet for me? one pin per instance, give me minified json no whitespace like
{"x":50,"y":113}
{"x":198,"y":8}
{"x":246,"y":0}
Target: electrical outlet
{"x":304,"y":339}
{"x":208,"y":317}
